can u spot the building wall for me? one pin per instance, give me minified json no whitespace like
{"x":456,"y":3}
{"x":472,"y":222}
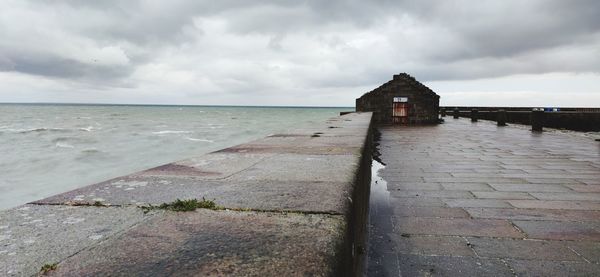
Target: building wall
{"x":424,"y":104}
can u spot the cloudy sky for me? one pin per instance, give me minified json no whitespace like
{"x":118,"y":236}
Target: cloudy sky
{"x":316,"y":53}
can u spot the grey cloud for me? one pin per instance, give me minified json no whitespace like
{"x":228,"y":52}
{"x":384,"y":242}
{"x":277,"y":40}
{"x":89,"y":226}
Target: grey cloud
{"x":311,"y":44}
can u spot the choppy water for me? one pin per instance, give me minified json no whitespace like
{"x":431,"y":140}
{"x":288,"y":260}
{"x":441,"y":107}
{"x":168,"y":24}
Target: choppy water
{"x":48,"y":149}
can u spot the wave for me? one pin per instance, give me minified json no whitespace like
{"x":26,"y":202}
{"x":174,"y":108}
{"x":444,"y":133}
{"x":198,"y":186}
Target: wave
{"x":90,"y":151}
{"x":197,"y":139}
{"x":37,"y":130}
{"x":171,"y":132}
{"x":63,"y":145}
{"x":87,"y":129}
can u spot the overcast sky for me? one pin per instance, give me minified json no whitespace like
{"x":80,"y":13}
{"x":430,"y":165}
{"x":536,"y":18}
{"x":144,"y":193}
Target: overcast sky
{"x":316,"y":53}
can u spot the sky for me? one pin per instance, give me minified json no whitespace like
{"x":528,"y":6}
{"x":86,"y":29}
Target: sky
{"x":299,"y":53}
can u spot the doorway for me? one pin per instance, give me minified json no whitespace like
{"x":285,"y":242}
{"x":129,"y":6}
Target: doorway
{"x":400,"y":110}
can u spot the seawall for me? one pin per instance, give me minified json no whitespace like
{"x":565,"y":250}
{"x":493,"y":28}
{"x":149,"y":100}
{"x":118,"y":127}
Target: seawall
{"x":576,"y":119}
{"x":290,"y":204}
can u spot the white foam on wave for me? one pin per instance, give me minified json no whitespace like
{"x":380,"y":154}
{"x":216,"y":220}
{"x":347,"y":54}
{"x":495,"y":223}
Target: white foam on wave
{"x":171,"y":132}
{"x":35,"y":130}
{"x":63,"y":145}
{"x":87,"y":129}
{"x":197,"y":139}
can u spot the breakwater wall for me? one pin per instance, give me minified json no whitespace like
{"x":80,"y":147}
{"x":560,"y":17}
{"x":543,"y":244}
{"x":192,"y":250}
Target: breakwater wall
{"x":577,"y":119}
{"x":291,"y":204}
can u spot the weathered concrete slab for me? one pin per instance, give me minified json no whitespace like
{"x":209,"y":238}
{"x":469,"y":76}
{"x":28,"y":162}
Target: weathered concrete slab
{"x":217,"y":243}
{"x":34,"y":235}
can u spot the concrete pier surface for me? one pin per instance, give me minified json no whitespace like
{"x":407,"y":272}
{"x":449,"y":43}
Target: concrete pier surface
{"x":288,"y":205}
{"x":473,"y":199}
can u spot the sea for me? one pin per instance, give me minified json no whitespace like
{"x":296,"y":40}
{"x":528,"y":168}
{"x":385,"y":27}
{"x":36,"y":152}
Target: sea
{"x":46,"y":149}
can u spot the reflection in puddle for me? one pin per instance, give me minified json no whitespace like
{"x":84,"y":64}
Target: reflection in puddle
{"x":380,"y":195}
{"x":381,"y":257}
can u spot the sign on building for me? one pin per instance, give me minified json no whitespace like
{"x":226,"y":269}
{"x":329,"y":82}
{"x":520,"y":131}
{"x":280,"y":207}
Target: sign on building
{"x":400,"y":99}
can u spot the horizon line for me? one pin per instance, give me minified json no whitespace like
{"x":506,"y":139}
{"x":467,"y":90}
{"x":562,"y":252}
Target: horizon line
{"x":165,"y":105}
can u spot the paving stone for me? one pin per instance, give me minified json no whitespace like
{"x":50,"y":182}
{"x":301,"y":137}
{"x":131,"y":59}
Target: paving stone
{"x":562,"y":205}
{"x":584,"y":188}
{"x":416,"y":265}
{"x":475,"y":180}
{"x":501,"y":195}
{"x":431,"y":193}
{"x":560,"y":230}
{"x":567,"y":196}
{"x":534,"y":214}
{"x":414,"y":186}
{"x":34,"y":235}
{"x":589,"y":181}
{"x":432,"y":245}
{"x":456,"y":227}
{"x":588,"y":250}
{"x":552,"y":181}
{"x":489,"y":203}
{"x":411,"y":211}
{"x":467,"y":186}
{"x":208,"y":242}
{"x":523,"y":249}
{"x":530,"y":187}
{"x":417,"y":202}
{"x":553,"y":268}
{"x":501,"y":167}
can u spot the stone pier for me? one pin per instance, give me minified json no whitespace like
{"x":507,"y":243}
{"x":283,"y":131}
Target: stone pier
{"x":290,"y":204}
{"x":473,"y":199}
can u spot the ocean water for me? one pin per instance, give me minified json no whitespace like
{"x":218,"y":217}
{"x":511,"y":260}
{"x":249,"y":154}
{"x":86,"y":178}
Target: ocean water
{"x":49,"y":149}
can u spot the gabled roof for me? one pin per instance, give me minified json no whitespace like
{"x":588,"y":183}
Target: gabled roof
{"x":406,"y":78}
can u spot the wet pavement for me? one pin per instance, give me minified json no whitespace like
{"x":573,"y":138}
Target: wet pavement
{"x":474,"y":199}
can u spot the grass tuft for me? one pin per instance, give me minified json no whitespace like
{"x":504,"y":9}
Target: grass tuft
{"x":48,"y":267}
{"x":184,"y":205}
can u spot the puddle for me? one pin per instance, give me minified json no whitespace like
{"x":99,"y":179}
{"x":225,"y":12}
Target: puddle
{"x":381,"y":256}
{"x":379,"y":200}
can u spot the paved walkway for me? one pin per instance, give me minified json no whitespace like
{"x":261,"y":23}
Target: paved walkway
{"x":473,"y":199}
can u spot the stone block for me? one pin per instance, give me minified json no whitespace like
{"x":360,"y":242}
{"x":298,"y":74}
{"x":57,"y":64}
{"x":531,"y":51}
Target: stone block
{"x":415,"y":265}
{"x":34,"y":235}
{"x":208,"y":242}
{"x":467,"y":186}
{"x":534,"y":214}
{"x":560,"y":230}
{"x":469,"y":203}
{"x":411,"y":211}
{"x":547,"y":204}
{"x":530,"y":187}
{"x":589,"y":196}
{"x":457,"y":227}
{"x":501,"y":195}
{"x":553,"y":268}
{"x":523,"y":249}
{"x":432,"y":246}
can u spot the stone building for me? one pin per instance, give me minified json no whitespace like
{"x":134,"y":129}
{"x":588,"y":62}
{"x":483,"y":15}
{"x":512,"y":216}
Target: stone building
{"x":403,"y":100}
